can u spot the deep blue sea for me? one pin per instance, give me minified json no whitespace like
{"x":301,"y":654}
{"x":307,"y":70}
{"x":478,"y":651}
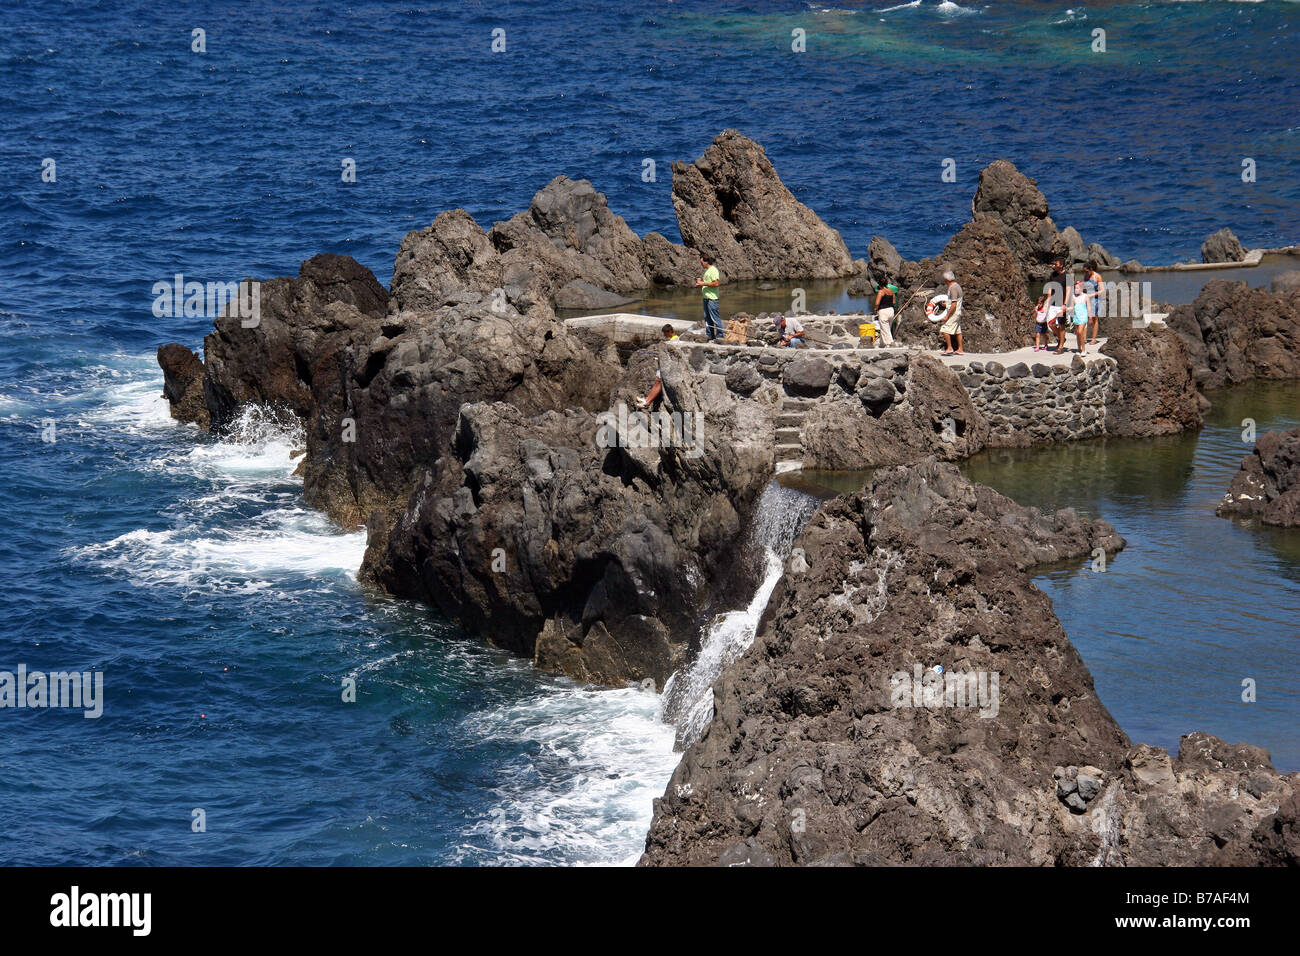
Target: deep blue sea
{"x":225,"y":616}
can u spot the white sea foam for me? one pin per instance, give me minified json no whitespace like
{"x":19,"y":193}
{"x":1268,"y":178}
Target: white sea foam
{"x":134,"y":403}
{"x":1071,"y":16}
{"x":240,"y":533}
{"x":247,"y":554}
{"x":600,"y":757}
{"x":583,"y":795}
{"x":902,"y":6}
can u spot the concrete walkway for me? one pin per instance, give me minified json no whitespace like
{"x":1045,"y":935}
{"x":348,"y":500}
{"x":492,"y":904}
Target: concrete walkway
{"x":1026,"y":355}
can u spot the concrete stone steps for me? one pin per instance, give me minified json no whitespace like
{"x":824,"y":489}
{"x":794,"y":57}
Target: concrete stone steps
{"x":789,"y":425}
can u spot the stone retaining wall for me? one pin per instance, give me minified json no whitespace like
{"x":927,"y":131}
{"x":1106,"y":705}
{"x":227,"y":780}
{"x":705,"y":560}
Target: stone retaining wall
{"x":1024,"y":404}
{"x":1029,"y":404}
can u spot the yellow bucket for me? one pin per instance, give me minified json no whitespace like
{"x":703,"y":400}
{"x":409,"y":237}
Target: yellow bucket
{"x":867,"y":330}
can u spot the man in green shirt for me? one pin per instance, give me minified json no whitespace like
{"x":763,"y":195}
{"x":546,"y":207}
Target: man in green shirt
{"x":708,"y":285}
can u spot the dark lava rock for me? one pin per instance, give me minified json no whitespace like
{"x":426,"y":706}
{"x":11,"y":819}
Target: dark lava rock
{"x":183,"y":384}
{"x":883,"y":260}
{"x":1019,"y":370}
{"x":1158,"y":395}
{"x":305,"y":327}
{"x":567,"y":235}
{"x":905,"y":415}
{"x":1222,"y":246}
{"x":583,"y":295}
{"x":743,"y":378}
{"x":611,"y":547}
{"x":1268,"y":485}
{"x":1286,"y":283}
{"x":731,"y":203}
{"x":877,"y":394}
{"x":860,"y":288}
{"x":820,"y":751}
{"x":996,"y":311}
{"x":1235,"y":333}
{"x":1019,"y":206}
{"x":1015,"y":203}
{"x":807,"y":376}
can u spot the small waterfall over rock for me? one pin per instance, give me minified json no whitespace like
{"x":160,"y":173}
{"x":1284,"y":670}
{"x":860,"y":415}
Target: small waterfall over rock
{"x":688,"y":695}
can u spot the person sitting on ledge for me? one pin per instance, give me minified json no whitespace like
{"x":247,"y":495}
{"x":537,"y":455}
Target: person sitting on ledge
{"x":790,"y":330}
{"x":657,"y":388}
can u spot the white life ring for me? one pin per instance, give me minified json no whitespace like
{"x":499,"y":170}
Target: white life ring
{"x":937,"y":308}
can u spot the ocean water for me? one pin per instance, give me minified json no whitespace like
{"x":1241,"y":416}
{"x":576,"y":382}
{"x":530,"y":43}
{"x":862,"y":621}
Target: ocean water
{"x":224,"y":615}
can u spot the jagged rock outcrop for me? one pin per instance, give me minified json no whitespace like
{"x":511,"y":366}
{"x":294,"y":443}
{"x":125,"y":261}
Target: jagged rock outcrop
{"x":391,"y":408}
{"x":1268,"y":485}
{"x":1019,"y":207}
{"x":586,"y":542}
{"x":378,"y":393}
{"x":305,"y":323}
{"x":1158,"y":395}
{"x":731,"y":203}
{"x":996,"y":312}
{"x":1222,"y":246}
{"x":455,"y":431}
{"x":882,"y":262}
{"x":567,"y":243}
{"x":893,"y":409}
{"x":183,"y":384}
{"x":1235,"y":333}
{"x":439,"y":264}
{"x":835,"y":742}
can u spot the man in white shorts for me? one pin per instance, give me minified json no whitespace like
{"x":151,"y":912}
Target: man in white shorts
{"x":951,"y":327}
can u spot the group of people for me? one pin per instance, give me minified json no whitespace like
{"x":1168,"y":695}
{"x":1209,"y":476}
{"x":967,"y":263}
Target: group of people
{"x":950,"y":320}
{"x":1066,"y":306}
{"x":1063,"y":306}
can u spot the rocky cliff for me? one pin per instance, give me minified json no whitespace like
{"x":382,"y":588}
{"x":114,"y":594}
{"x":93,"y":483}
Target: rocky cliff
{"x":996,"y":312}
{"x":1158,"y":394}
{"x":458,"y":421}
{"x":1014,"y":201}
{"x":731,"y":203}
{"x":1235,"y":333}
{"x":589,"y":542}
{"x":834,"y":740}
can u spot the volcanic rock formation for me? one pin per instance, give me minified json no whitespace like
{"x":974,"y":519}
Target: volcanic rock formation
{"x":731,"y":203}
{"x":1268,"y":485}
{"x":834,"y":740}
